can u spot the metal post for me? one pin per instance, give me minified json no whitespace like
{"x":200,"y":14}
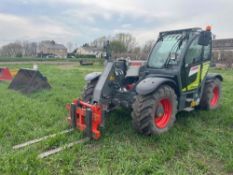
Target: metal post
{"x":103,"y":119}
{"x":88,"y":122}
{"x":73,"y":115}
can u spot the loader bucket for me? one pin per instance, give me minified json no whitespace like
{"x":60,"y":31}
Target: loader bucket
{"x":5,"y":74}
{"x":28,"y":81}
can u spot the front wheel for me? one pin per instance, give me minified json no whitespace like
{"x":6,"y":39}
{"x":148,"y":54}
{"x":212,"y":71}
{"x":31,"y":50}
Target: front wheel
{"x":155,"y":113}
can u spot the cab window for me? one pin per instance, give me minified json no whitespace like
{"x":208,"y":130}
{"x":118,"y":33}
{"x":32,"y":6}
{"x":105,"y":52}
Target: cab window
{"x":194,"y":52}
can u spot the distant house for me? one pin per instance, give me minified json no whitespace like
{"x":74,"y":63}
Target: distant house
{"x":52,"y":49}
{"x":223,"y":44}
{"x":89,"y":51}
{"x":223,"y":52}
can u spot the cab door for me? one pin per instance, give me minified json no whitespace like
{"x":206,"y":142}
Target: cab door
{"x":191,"y":72}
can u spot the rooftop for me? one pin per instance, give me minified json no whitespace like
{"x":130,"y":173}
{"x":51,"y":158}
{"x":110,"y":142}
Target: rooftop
{"x":52,"y":45}
{"x":226,"y":43}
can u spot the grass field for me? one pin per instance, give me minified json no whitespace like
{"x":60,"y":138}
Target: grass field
{"x":201,"y":142}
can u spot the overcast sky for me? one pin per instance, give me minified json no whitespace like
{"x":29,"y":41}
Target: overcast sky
{"x":82,"y":21}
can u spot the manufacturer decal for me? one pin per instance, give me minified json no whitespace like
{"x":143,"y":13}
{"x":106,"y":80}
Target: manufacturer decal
{"x":193,"y":70}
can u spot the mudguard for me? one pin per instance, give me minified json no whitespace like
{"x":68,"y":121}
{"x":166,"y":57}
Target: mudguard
{"x":148,"y":85}
{"x":92,"y":76}
{"x":211,"y":76}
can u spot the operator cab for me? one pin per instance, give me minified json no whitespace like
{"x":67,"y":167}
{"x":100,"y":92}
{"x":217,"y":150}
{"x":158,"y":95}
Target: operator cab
{"x":171,"y":47}
{"x":179,"y":54}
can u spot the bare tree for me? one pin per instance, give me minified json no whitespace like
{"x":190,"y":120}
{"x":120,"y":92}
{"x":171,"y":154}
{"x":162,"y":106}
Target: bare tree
{"x":122,"y":45}
{"x":127,"y":40}
{"x":33,"y":49}
{"x":12,"y":50}
{"x":25,"y":48}
{"x":148,"y":46}
{"x":29,"y":48}
{"x":99,"y":42}
{"x":18,"y":49}
{"x":70,"y":46}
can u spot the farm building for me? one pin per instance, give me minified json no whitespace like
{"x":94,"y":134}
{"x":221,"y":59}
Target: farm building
{"x":223,"y":52}
{"x":89,"y":51}
{"x":48,"y":48}
{"x":223,"y":44}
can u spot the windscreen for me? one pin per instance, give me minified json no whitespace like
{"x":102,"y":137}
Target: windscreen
{"x":166,"y":47}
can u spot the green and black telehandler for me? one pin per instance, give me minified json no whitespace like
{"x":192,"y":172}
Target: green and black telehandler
{"x":174,"y":78}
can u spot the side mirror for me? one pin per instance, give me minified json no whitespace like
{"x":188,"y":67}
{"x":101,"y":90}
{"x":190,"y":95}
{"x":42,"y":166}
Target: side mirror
{"x":204,"y":38}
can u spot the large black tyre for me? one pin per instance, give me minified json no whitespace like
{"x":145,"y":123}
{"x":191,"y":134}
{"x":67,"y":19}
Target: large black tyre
{"x":211,"y":95}
{"x":88,"y":91}
{"x":155,"y":113}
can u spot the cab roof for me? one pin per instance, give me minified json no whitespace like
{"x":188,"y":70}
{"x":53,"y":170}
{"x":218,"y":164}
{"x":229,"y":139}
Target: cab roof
{"x":196,"y":29}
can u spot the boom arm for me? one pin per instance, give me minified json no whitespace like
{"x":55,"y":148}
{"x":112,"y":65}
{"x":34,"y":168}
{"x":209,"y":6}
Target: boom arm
{"x":103,"y":88}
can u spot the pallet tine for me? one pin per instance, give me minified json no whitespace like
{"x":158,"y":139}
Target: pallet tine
{"x":30,"y":142}
{"x":59,"y":149}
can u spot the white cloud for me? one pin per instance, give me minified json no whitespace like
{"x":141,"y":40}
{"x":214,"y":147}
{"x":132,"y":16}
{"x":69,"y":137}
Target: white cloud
{"x":18,"y":28}
{"x":88,"y":19}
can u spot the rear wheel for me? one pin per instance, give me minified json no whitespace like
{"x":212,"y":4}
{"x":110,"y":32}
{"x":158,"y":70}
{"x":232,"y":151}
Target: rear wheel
{"x":211,"y":95}
{"x":155,"y":113}
{"x":88,"y":91}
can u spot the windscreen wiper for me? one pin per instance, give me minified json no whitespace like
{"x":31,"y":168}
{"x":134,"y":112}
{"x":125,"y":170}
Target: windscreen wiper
{"x":179,"y":42}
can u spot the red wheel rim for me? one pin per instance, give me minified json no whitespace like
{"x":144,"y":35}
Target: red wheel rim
{"x":162,"y":120}
{"x":214,"y":99}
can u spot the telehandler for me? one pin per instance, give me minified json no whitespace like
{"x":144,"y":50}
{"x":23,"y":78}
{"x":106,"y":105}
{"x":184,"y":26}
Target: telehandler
{"x":174,"y":78}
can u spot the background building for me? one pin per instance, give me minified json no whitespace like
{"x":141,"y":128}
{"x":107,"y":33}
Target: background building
{"x":223,"y":44}
{"x":52,"y":49}
{"x":87,"y":50}
{"x":223,"y":52}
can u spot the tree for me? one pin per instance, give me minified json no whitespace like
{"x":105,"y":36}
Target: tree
{"x":29,"y":48}
{"x":148,"y":46}
{"x":127,"y":40}
{"x":19,"y":49}
{"x":70,"y":46}
{"x":117,"y":46}
{"x":99,"y":42}
{"x":12,"y":50}
{"x":137,"y":53}
{"x":25,"y":48}
{"x":86,"y":45}
{"x":33,"y":49}
{"x":122,"y":45}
